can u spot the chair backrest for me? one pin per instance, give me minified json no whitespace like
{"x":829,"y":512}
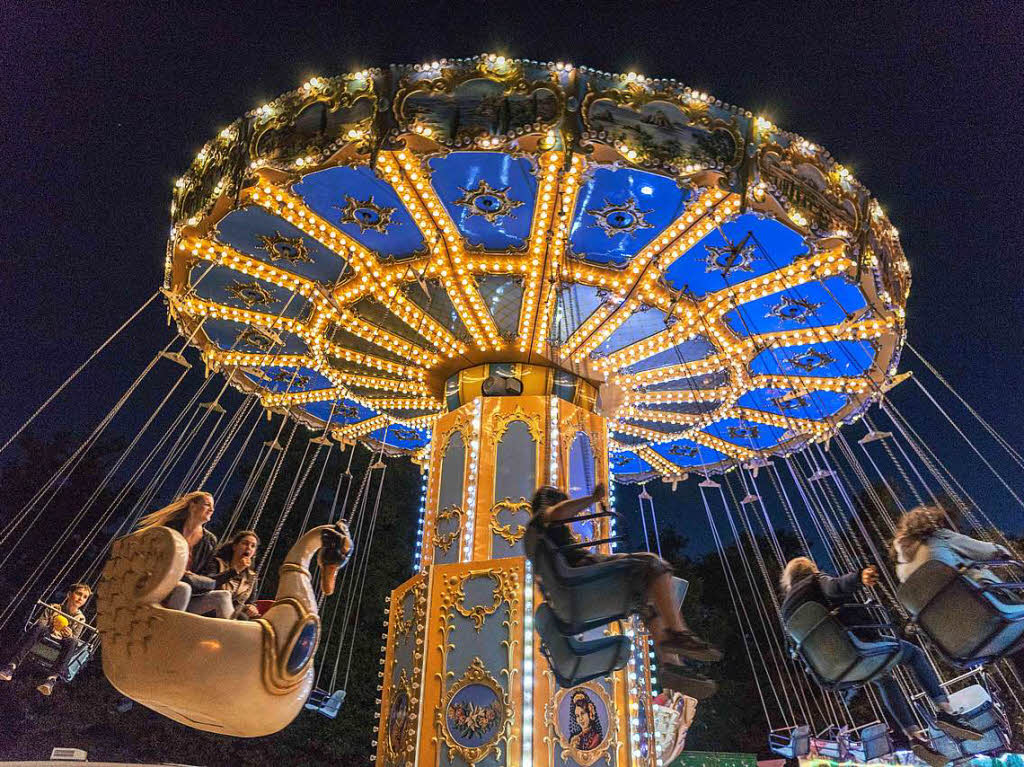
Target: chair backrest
{"x":831,"y":653}
{"x":573,"y":661}
{"x":580,"y":597}
{"x":954,"y":612}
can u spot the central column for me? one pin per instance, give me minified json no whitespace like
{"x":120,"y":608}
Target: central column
{"x":463,"y":680}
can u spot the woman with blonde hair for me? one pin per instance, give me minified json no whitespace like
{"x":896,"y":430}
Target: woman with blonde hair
{"x":188,"y":515}
{"x":803,"y":582}
{"x":923,"y":533}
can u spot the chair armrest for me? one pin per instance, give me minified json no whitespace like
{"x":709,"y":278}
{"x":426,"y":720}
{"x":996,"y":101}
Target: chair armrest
{"x":585,"y":517}
{"x":594,"y":542}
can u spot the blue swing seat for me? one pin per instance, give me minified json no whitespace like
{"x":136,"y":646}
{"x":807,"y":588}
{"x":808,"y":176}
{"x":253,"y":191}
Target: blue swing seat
{"x":970,"y":623}
{"x":983,"y":714}
{"x":44,"y":653}
{"x":325,"y":703}
{"x":580,"y":598}
{"x":575,"y":661}
{"x":875,"y":742}
{"x":791,"y":742}
{"x":835,"y":657}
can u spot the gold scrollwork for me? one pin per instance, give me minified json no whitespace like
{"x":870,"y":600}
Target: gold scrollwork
{"x":444,"y":541}
{"x":399,"y":730}
{"x":478,"y":612}
{"x":500,"y":422}
{"x":403,"y":625}
{"x":500,"y":709}
{"x":595,"y":739}
{"x":507,"y":532}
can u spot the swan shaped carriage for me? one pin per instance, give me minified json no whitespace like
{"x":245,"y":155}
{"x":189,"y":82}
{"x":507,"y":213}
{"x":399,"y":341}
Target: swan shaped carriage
{"x":241,"y":678}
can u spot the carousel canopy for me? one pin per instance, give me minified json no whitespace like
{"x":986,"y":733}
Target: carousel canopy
{"x":347,"y":249}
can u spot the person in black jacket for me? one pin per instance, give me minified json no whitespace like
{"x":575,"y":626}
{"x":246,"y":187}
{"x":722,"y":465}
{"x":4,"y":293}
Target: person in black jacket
{"x":803,"y":582}
{"x":195,"y":592}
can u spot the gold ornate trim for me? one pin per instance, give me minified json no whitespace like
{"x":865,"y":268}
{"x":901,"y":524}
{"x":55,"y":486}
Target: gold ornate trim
{"x":511,"y":536}
{"x":276,"y":679}
{"x":394,"y":753}
{"x":501,"y":421}
{"x":292,"y":567}
{"x":476,"y":674}
{"x":478,"y":613}
{"x":445,"y":541}
{"x":571,"y":743}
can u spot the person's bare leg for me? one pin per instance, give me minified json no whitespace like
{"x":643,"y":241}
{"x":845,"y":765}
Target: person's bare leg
{"x":660,"y":593}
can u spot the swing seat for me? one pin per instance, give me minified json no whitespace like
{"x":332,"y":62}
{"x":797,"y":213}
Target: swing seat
{"x":46,"y":651}
{"x":835,"y":657}
{"x":970,"y":623}
{"x":326,"y":703}
{"x":983,"y":714}
{"x":574,"y":661}
{"x":579,"y":598}
{"x":791,"y":742}
{"x":875,"y":742}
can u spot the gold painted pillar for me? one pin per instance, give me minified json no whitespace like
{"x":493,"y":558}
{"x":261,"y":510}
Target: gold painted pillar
{"x":463,"y":680}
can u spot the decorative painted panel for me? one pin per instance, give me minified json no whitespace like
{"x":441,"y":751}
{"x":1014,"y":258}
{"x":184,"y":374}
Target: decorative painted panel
{"x":515,"y":480}
{"x":449,"y":518}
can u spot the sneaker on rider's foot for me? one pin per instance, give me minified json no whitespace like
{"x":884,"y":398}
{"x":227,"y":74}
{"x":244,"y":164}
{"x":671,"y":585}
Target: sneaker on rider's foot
{"x":923,"y":751}
{"x":7,"y":672}
{"x":687,"y":681}
{"x":957,"y":727}
{"x":689,"y":645}
{"x":47,"y":687}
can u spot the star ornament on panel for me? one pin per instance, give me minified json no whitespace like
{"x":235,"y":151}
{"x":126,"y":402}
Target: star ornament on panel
{"x":281,"y":248}
{"x":812,"y":359}
{"x":622,"y":218}
{"x":743,"y":432}
{"x":726,"y":259}
{"x":487,"y":201}
{"x":367,"y":215}
{"x":251,"y":293}
{"x":794,"y":309}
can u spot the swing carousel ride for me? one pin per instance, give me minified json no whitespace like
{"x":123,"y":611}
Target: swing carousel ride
{"x":521,"y":273}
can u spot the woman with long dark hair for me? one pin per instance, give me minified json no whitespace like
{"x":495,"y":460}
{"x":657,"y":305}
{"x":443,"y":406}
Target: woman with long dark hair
{"x":650,"y":580}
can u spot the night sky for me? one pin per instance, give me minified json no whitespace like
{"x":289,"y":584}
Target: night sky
{"x":102,"y":108}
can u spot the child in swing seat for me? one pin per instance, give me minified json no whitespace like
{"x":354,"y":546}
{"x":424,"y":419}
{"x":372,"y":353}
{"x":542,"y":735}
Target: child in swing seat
{"x":59,"y":628}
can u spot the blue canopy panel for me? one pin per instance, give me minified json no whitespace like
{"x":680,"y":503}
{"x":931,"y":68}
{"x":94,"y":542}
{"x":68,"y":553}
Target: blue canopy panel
{"x":264,"y":236}
{"x":489,"y":195}
{"x":639,"y":325}
{"x":574,"y":305}
{"x":696,"y":348}
{"x":815,"y":405}
{"x":628,"y":462}
{"x":345,"y":411}
{"x":832,"y":359}
{"x":753,"y":436}
{"x":630,"y":440}
{"x":620,"y":211}
{"x":688,"y":454}
{"x":249,"y":339}
{"x":714,"y":380}
{"x":504,"y":299}
{"x":812,"y":304}
{"x":364,"y":207}
{"x":756,"y":246}
{"x":688,"y":408}
{"x":279,"y":379}
{"x":227,"y":287}
{"x":401,"y":437}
